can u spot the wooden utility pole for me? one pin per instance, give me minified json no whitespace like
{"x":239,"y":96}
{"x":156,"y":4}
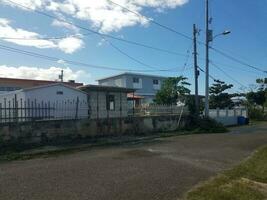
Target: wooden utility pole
{"x":61,"y":76}
{"x":207,"y":60}
{"x":195,"y":32}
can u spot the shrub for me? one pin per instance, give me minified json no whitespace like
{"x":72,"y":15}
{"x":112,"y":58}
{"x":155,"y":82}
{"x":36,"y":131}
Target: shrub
{"x":205,"y":125}
{"x":256,"y":114}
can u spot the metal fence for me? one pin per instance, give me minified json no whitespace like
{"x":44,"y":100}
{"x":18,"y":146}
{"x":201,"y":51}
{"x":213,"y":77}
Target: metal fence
{"x":32,"y":110}
{"x":157,"y":110}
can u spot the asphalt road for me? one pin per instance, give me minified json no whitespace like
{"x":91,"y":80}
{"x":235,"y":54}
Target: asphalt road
{"x":164,"y":169}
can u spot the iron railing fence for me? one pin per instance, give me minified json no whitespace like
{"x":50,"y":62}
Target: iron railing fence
{"x":32,"y":110}
{"x":157,"y":110}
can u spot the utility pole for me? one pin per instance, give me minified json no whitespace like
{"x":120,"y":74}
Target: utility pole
{"x":61,"y":76}
{"x":208,"y":37}
{"x":195,"y":32}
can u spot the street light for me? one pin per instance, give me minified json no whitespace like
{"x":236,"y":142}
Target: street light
{"x":226,"y":32}
{"x":209,"y":38}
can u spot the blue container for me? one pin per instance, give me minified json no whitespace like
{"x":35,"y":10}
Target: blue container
{"x":241,"y":120}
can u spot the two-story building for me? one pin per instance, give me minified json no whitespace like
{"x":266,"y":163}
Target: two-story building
{"x":145,"y":85}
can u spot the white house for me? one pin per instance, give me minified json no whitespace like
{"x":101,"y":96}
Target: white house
{"x":53,"y":101}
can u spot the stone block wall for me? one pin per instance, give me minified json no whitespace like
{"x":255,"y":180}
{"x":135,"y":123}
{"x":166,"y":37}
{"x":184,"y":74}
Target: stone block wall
{"x":43,"y":131}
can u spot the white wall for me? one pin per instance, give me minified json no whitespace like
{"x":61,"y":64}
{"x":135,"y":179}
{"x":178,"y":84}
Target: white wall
{"x":62,"y":101}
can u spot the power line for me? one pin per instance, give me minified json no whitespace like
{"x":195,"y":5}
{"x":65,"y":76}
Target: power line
{"x":98,"y":33}
{"x":109,"y":42}
{"x":85,"y":34}
{"x":187,"y":37}
{"x":239,"y":68}
{"x":226,"y":74}
{"x":187,"y":58}
{"x":139,"y":44}
{"x":47,"y":38}
{"x":152,"y":21}
{"x":211,"y":77}
{"x":56,"y":59}
{"x":214,"y":79}
{"x":127,"y":55}
{"x":237,"y":60}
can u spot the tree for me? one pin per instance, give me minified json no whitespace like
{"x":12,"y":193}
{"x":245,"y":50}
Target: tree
{"x":219,"y":98}
{"x":172,"y":90}
{"x":262,"y":83}
{"x":258,"y":97}
{"x":191,"y":104}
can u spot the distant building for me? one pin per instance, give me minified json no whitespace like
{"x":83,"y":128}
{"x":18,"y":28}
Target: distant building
{"x":11,"y":84}
{"x":107,"y":101}
{"x":146,"y":86}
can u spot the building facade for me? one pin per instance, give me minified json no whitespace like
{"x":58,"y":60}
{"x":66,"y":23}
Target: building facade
{"x":54,"y":101}
{"x":12,"y":84}
{"x":107,"y":101}
{"x":145,"y":85}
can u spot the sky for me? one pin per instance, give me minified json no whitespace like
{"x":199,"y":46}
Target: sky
{"x":25,"y":29}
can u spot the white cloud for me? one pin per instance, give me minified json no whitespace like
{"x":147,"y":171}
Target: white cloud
{"x":43,"y":73}
{"x":102,"y":14}
{"x":70,"y":44}
{"x":33,"y":4}
{"x":58,"y":23}
{"x":28,"y":38}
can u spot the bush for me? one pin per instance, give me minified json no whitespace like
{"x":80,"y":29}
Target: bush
{"x":205,"y":125}
{"x":256,"y":114}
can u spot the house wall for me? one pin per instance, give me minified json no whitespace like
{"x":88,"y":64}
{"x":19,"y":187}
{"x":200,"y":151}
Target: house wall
{"x":147,"y":89}
{"x":119,"y":81}
{"x":64,"y":104}
{"x":97,"y":102}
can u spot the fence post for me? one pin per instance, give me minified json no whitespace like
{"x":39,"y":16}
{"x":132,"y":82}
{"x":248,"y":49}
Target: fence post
{"x":97,"y":106}
{"x":9,"y":111}
{"x":16,"y":108}
{"x":77,"y":108}
{"x":5,"y":108}
{"x":133,"y":104}
{"x":227,"y":112}
{"x":21,"y":110}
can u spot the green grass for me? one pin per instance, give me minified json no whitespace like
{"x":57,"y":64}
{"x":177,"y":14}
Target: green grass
{"x":247,"y":181}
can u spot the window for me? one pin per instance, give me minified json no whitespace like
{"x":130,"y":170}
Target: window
{"x":137,"y":83}
{"x":110,"y":102}
{"x":155,"y":82}
{"x":135,"y":80}
{"x":59,"y":92}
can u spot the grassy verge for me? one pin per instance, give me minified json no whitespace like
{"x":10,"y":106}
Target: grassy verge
{"x":248,"y":181}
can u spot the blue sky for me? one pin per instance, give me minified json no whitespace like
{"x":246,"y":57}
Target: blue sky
{"x":246,"y":19}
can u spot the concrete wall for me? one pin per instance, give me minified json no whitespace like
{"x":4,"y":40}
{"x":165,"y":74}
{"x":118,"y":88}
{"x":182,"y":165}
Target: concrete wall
{"x":98,"y":109}
{"x":228,"y":117}
{"x":49,"y":131}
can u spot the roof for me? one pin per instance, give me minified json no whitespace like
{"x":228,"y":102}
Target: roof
{"x":130,"y":73}
{"x":43,"y":86}
{"x":35,"y":82}
{"x":131,"y":96}
{"x":106,"y":88}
